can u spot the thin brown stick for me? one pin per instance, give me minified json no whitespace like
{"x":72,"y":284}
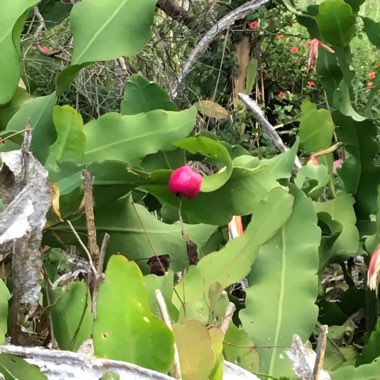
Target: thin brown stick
{"x":99,"y":274}
{"x":227,"y":318}
{"x":80,"y":241}
{"x":90,"y":217}
{"x":53,"y":341}
{"x":37,"y":33}
{"x":321,"y":349}
{"x":166,"y":318}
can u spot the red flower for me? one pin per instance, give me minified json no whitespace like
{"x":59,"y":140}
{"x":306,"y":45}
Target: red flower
{"x":310,"y":83}
{"x":373,"y":270}
{"x":281,"y":94}
{"x":294,"y":49}
{"x":372,"y":75}
{"x":254,"y":25}
{"x":46,"y":49}
{"x":185,"y":181}
{"x":312,"y":161}
{"x":337,"y":164}
{"x":280,"y":37}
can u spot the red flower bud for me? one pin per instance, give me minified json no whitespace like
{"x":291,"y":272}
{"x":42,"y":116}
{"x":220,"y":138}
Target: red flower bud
{"x":312,"y":161}
{"x":254,"y":25}
{"x":185,"y":181}
{"x":373,"y":270}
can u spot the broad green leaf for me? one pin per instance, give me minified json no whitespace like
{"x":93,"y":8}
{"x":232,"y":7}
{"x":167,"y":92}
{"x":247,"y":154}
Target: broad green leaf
{"x":217,"y":337}
{"x":312,"y":180}
{"x":116,"y":28}
{"x":373,"y":240}
{"x":280,"y":300}
{"x":331,"y":230}
{"x":196,"y":356}
{"x":39,"y":112}
{"x":164,"y":160}
{"x":4,"y":298}
{"x":234,"y":260}
{"x":251,"y":76}
{"x":12,"y":368}
{"x":211,"y":109}
{"x":12,"y":17}
{"x":282,"y":165}
{"x":316,"y":128}
{"x":137,"y":234}
{"x":364,"y":372}
{"x":214,"y":150}
{"x":111,"y":179}
{"x":372,"y":30}
{"x":308,"y":19}
{"x":343,"y":101}
{"x":338,"y":357}
{"x":71,"y":315}
{"x":125,"y":328}
{"x":165,"y":284}
{"x":129,"y":138}
{"x":140,"y":95}
{"x":8,"y":110}
{"x":341,"y":210}
{"x":336,"y":22}
{"x":239,"y":349}
{"x":359,"y":173}
{"x":71,"y":141}
{"x":105,"y":31}
{"x":246,"y":161}
{"x":355,"y":4}
{"x":239,"y":196}
{"x":372,"y":349}
{"x":54,"y":11}
{"x":329,"y":73}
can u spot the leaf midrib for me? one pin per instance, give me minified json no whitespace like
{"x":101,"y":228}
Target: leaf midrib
{"x":133,"y":138}
{"x":100,"y":30}
{"x":280,"y":304}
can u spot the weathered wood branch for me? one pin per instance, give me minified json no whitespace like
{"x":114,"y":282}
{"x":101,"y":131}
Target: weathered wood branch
{"x":268,"y":127}
{"x":223,"y":24}
{"x":175,"y":11}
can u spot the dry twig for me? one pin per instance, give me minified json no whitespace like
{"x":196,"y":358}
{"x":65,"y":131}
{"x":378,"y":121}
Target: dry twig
{"x":166,"y":318}
{"x":268,"y":127}
{"x":228,"y":317}
{"x":321,"y":349}
{"x":90,"y":217}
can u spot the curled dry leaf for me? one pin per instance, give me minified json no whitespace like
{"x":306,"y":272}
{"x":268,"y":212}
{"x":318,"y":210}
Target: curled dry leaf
{"x":211,"y":109}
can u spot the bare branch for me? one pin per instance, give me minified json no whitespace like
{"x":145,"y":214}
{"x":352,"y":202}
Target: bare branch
{"x":175,"y":11}
{"x":268,"y":127}
{"x":90,"y":217}
{"x":223,"y":24}
{"x":321,"y":349}
{"x":228,"y":317}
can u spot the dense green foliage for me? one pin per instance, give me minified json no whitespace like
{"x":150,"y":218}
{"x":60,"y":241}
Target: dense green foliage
{"x":97,"y":96}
